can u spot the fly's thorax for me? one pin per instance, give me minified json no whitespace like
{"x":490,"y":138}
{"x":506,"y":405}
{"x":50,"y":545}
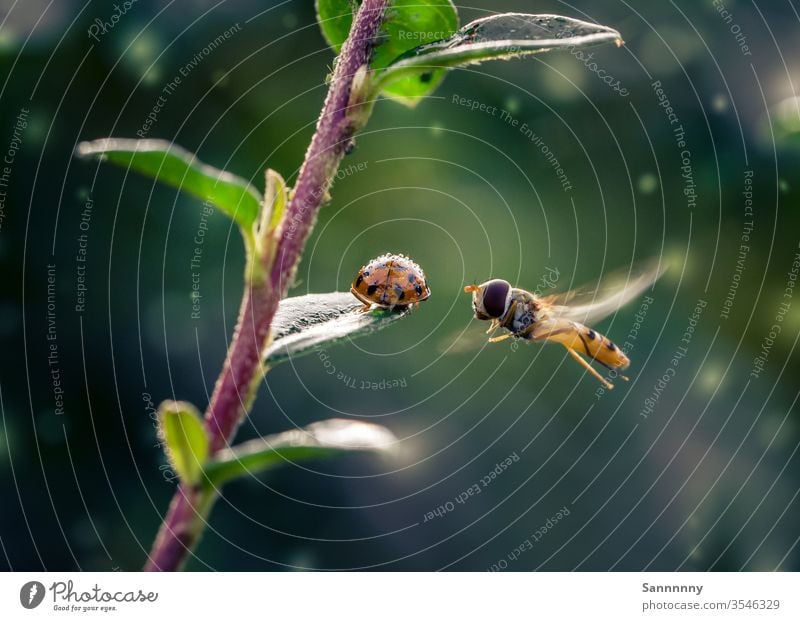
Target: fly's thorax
{"x":523,"y":295}
{"x":525,"y":311}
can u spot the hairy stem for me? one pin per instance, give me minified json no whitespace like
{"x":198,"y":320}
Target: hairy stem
{"x":342,"y":115}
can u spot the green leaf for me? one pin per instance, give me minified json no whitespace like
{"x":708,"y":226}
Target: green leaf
{"x":504,"y":36}
{"x":320,"y":440}
{"x":408,"y":24}
{"x":275,"y":201}
{"x":179,"y":168}
{"x":310,"y":322}
{"x":185,"y":439}
{"x":276,"y":197}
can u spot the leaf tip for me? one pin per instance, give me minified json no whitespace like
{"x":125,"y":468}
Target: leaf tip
{"x":176,"y":407}
{"x":185,"y":441}
{"x":85,"y":149}
{"x":273,"y":206}
{"x":346,"y":434}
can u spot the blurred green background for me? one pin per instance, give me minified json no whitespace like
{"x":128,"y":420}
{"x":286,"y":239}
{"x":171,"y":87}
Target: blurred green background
{"x":707,"y":478}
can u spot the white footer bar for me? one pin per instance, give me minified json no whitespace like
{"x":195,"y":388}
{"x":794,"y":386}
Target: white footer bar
{"x":400,"y":596}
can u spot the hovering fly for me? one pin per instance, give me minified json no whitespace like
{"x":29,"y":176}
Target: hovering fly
{"x":561,"y":318}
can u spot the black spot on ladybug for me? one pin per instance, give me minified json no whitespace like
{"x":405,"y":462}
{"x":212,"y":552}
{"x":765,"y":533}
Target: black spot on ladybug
{"x":591,"y":334}
{"x":611,"y":346}
{"x":366,"y":273}
{"x":372,"y":289}
{"x":418,"y":289}
{"x":402,"y":295}
{"x":359,"y":280}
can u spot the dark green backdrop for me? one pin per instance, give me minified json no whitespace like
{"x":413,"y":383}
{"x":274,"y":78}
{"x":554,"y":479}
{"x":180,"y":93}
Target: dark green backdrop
{"x":702,"y":475}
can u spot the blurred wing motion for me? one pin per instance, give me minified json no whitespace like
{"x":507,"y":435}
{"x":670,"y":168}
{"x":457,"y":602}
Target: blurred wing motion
{"x":595,"y":301}
{"x":460,"y":341}
{"x":562,"y":317}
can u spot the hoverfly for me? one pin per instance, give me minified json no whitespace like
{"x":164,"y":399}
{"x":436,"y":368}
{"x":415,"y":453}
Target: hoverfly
{"x":561,"y":318}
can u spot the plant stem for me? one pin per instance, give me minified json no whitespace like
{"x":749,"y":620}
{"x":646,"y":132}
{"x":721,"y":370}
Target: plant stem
{"x":236,"y":386}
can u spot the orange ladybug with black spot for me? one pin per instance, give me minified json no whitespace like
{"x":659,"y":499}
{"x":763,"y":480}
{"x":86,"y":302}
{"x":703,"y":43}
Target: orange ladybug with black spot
{"x":390,"y":281}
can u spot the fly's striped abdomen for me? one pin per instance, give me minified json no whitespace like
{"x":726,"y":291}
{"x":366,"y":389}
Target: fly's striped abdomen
{"x":592,"y":344}
{"x":602,"y":349}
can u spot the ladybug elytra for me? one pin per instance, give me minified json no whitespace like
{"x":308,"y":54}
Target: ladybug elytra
{"x":390,"y":281}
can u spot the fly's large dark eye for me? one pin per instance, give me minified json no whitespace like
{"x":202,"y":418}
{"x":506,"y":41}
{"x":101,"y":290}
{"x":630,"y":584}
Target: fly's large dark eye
{"x":494,"y":297}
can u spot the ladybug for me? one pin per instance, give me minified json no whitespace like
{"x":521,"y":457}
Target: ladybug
{"x":390,"y":281}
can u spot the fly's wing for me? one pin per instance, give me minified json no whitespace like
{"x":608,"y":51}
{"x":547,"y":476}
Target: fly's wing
{"x":592,"y":302}
{"x":461,"y":341}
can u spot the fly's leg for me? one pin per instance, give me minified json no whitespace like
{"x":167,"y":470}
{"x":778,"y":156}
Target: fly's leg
{"x":503,"y":323}
{"x":589,"y":368}
{"x":544,"y":334}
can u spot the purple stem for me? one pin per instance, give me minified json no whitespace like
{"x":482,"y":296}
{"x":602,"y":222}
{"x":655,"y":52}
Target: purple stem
{"x":235,"y":388}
